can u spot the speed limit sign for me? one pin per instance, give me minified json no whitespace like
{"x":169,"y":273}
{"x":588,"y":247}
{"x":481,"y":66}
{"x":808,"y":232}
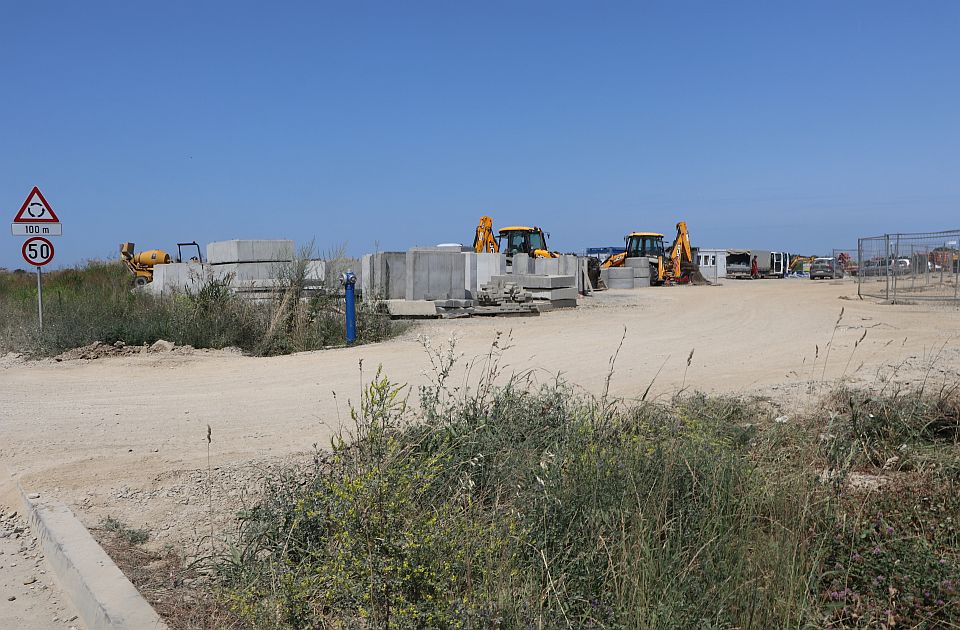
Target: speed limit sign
{"x":37,"y":251}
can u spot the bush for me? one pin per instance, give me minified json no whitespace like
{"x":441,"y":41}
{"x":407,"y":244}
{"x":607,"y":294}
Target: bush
{"x":519,"y":507}
{"x":95,"y":303}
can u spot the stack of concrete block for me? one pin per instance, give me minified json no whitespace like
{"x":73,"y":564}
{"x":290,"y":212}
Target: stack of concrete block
{"x":618,"y":277}
{"x":384,"y":276}
{"x":435,"y":274}
{"x":634,"y":274}
{"x":641,"y":270}
{"x":560,"y":291}
{"x":479,"y":268}
{"x":250,"y":264}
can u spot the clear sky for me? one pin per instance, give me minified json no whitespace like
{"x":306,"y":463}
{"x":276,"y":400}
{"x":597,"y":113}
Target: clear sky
{"x":784,"y":125}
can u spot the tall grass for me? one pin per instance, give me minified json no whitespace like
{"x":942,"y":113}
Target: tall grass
{"x":95,"y":303}
{"x":519,"y":506}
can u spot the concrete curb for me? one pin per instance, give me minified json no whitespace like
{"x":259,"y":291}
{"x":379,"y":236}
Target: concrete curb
{"x":103,"y":596}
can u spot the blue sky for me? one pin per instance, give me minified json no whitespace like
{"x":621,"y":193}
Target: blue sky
{"x":783,"y":125}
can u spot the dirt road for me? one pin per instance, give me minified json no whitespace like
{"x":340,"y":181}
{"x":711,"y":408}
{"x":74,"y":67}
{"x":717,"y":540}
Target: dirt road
{"x":126,"y":435}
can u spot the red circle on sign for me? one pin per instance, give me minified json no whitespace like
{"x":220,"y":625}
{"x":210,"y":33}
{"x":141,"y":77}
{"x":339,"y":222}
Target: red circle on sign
{"x":42,"y":261}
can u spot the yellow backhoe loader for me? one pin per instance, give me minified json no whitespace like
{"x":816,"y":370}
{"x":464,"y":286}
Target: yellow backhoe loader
{"x":141,"y":265}
{"x":675,"y":266}
{"x":512,"y":240}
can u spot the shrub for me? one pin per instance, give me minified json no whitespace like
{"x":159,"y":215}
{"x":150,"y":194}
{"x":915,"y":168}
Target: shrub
{"x":95,"y":303}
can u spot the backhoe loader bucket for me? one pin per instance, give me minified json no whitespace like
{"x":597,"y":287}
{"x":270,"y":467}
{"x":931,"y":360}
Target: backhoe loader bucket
{"x":691,"y":272}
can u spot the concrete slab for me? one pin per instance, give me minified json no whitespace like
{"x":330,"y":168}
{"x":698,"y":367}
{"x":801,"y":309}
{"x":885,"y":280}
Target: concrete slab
{"x":435,"y":275}
{"x":249,"y":271}
{"x":637,"y":262}
{"x":479,"y":268}
{"x":563,"y":303}
{"x":453,"y":303}
{"x":547,"y":266}
{"x":238,"y":251}
{"x":569,"y":265}
{"x":565,"y":293}
{"x":618,"y":283}
{"x":178,"y":278}
{"x":411,"y":308}
{"x":315,"y":272}
{"x":619,"y":273}
{"x":545,"y":282}
{"x":521,"y":264}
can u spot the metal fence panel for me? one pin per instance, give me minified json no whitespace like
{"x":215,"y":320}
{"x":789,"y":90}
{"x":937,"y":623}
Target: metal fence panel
{"x":910,"y":267}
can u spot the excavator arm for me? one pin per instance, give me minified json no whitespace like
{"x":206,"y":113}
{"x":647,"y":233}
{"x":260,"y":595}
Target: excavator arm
{"x":680,"y":252}
{"x":484,"y":241}
{"x":614,"y":260}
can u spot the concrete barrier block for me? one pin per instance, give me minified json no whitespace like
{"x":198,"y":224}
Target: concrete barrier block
{"x":247,"y":271}
{"x":620,"y":283}
{"x":620,"y":273}
{"x":470,"y":274}
{"x":489,"y":265}
{"x":568,"y":265}
{"x":367,"y":289}
{"x":178,"y":278}
{"x":257,"y":250}
{"x":411,"y":308}
{"x":565,"y":293}
{"x":545,"y":282}
{"x":219,"y":252}
{"x":522,"y":264}
{"x":547,"y":266}
{"x":272,"y":251}
{"x":335,"y":267}
{"x":435,"y":275}
{"x":316,"y":270}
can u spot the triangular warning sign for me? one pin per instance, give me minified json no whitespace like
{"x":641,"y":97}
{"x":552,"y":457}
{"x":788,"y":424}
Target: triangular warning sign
{"x":36,"y":210}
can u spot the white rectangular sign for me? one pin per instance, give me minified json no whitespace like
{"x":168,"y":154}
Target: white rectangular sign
{"x":37,"y":229}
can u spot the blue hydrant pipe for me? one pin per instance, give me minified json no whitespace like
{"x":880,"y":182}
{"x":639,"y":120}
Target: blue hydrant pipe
{"x":349,"y":281}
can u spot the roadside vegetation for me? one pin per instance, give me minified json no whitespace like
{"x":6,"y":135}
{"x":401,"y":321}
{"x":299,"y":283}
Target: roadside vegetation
{"x":95,"y":303}
{"x":517,"y":504}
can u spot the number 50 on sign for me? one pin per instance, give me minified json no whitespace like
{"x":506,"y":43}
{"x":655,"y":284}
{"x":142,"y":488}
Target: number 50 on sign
{"x":37,"y":251}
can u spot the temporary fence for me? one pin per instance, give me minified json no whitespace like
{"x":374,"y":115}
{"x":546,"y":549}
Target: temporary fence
{"x":910,"y":267}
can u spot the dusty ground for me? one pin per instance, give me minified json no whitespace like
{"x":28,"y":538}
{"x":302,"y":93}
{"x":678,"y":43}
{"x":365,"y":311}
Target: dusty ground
{"x":29,"y":594}
{"x":125,"y":434}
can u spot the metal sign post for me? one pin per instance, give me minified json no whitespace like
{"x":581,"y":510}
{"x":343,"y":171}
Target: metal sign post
{"x":40,"y":297}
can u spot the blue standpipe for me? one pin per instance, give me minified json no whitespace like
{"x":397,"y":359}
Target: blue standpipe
{"x":349,"y":282}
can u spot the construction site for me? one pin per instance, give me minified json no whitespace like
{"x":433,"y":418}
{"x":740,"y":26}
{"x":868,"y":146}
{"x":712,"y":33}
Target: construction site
{"x":480,"y":316}
{"x":185,"y":448}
